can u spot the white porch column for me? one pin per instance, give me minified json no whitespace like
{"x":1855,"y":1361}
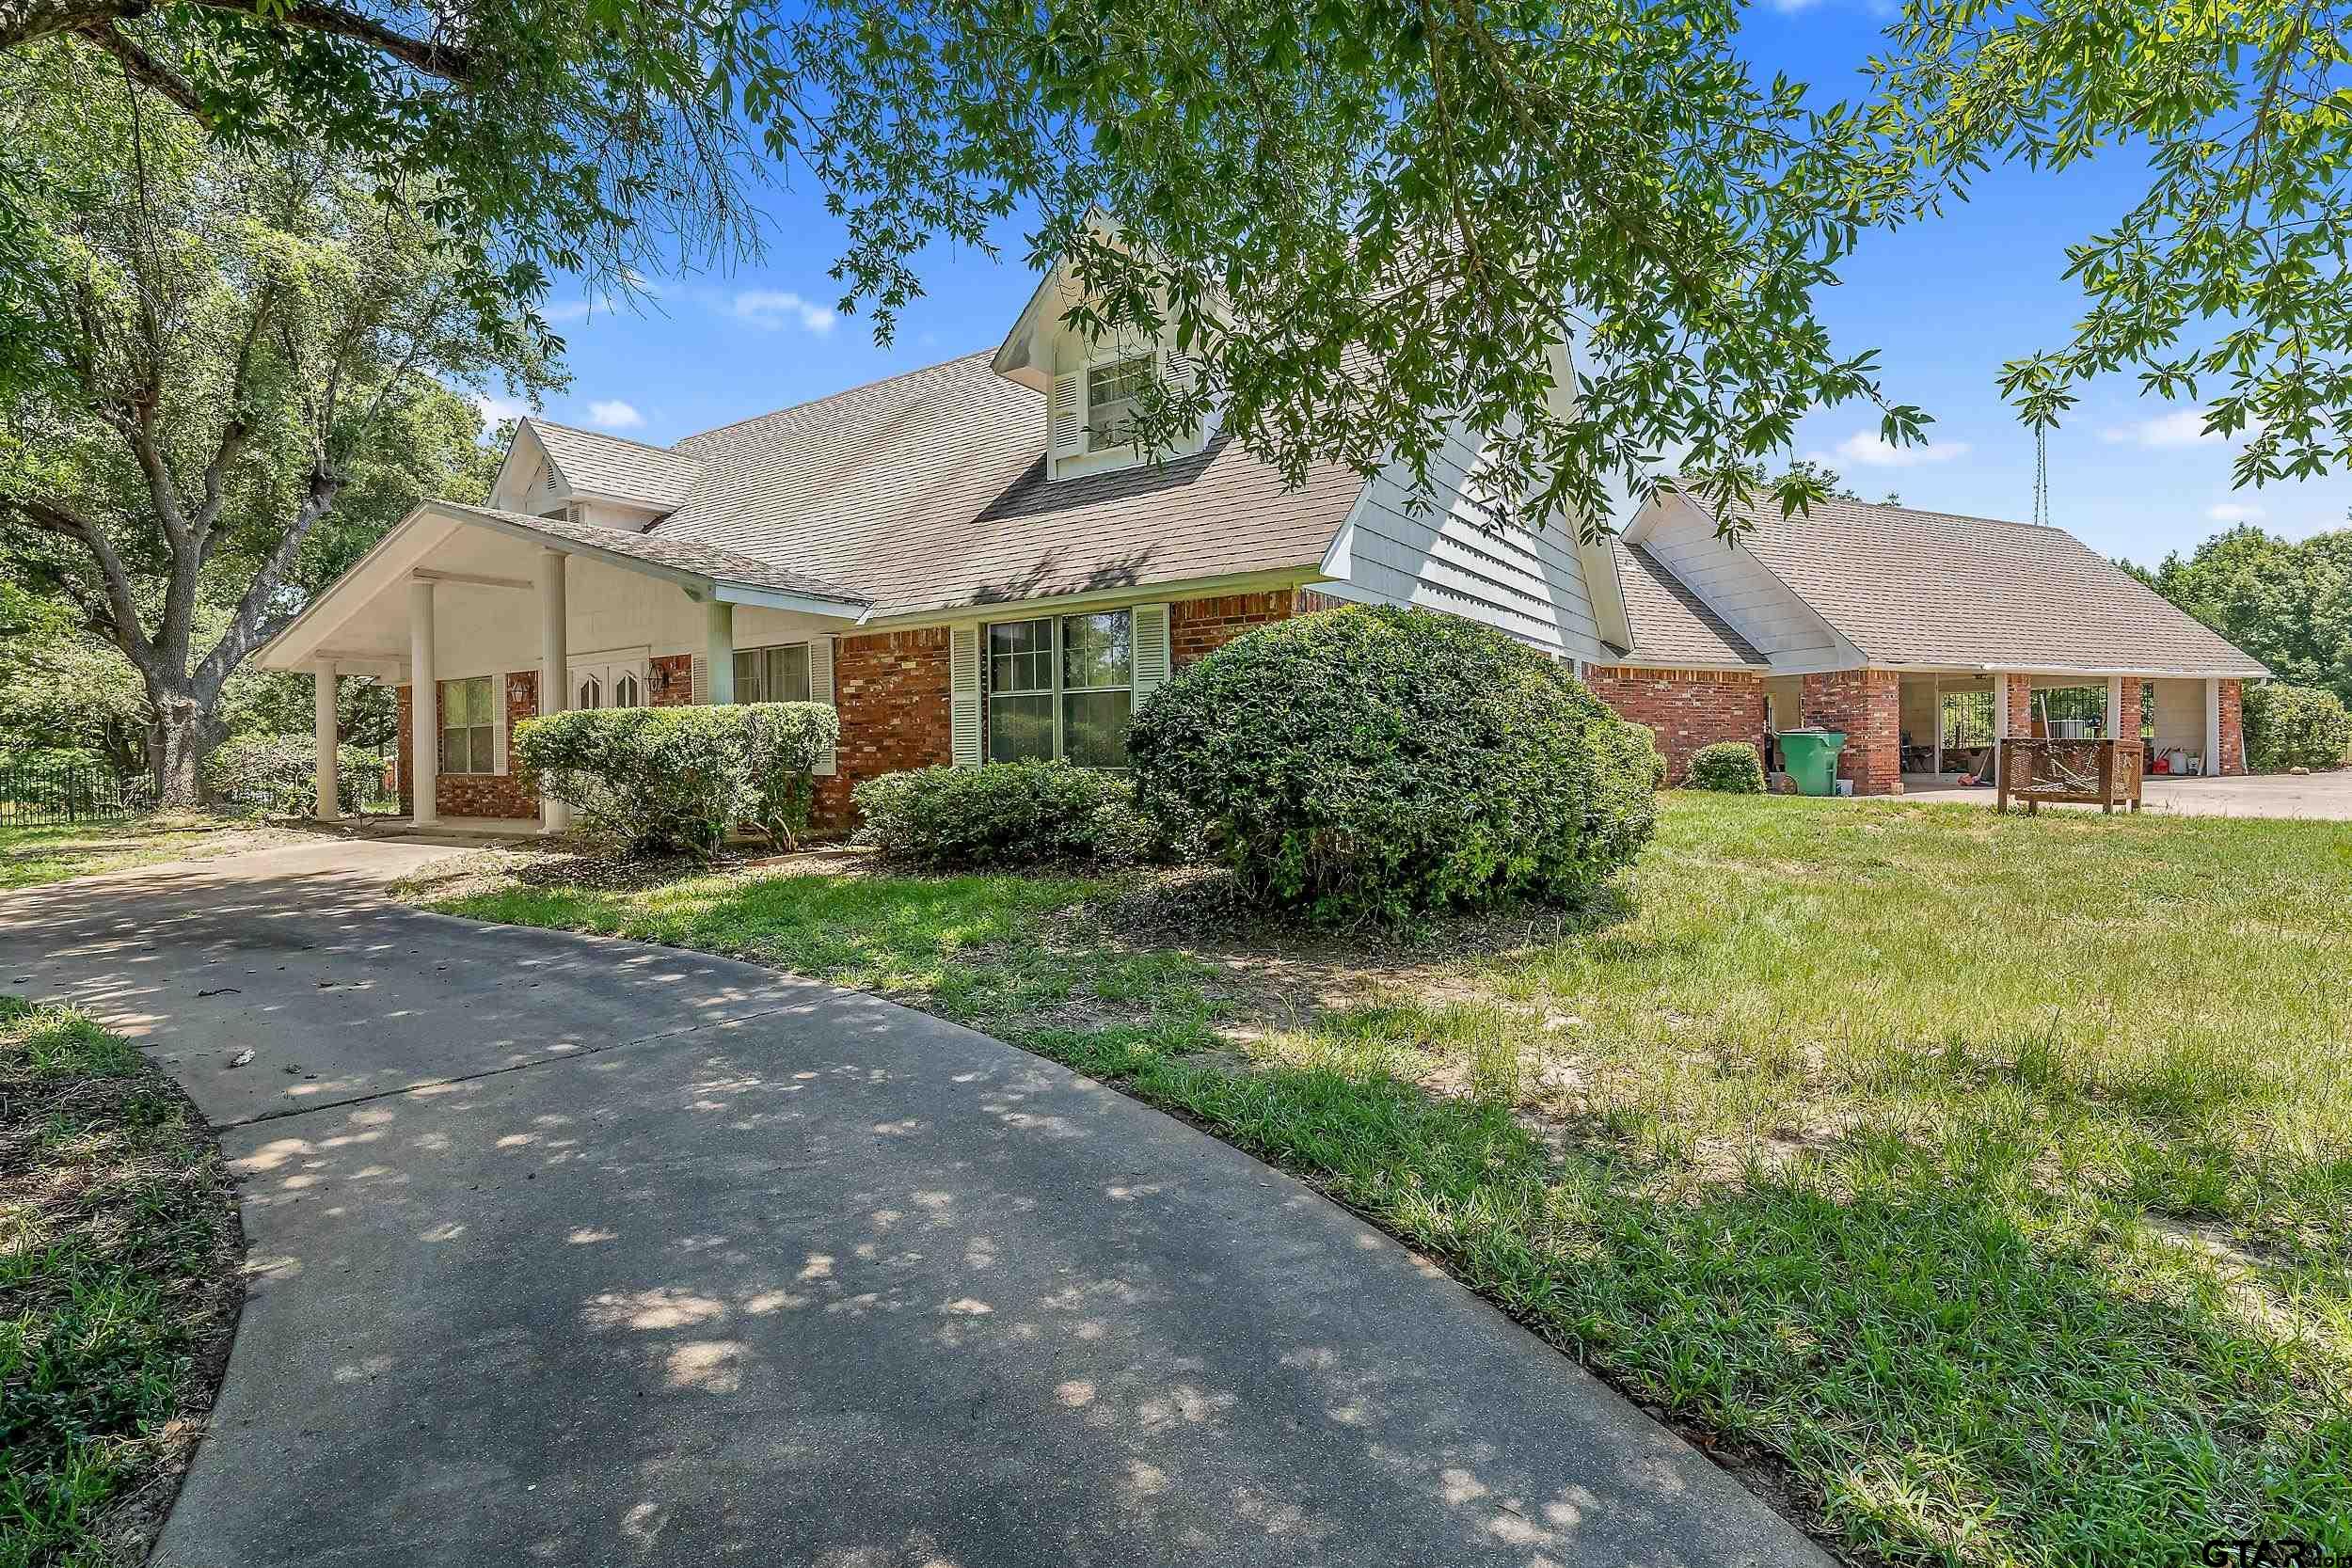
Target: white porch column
{"x":424,"y":699}
{"x":2122,"y":725}
{"x":555,"y":668}
{"x":2213,"y":727}
{"x":329,"y":798}
{"x":719,"y":648}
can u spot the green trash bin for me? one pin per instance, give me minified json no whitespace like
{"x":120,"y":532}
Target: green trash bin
{"x":1812,"y":758}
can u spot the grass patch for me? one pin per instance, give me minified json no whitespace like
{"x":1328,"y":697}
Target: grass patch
{"x":1993,"y":1174}
{"x":119,"y":1251}
{"x":30,"y":857}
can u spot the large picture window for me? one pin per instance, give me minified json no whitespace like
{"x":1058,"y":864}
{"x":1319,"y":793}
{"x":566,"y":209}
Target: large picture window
{"x":771,"y":675}
{"x":1062,"y":686}
{"x":468,"y":726}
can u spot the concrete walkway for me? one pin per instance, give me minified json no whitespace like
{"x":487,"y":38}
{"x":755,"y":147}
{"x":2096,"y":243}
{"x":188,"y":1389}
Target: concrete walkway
{"x":567,"y":1250}
{"x":2311,"y":796}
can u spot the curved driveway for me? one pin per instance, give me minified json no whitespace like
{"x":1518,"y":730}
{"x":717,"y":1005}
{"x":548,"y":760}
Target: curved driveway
{"x":569,"y":1250}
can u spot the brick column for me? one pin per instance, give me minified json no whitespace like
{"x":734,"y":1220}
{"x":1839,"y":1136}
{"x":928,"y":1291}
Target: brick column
{"x":1867,"y":705}
{"x":2020,"y":705}
{"x":2233,"y":728}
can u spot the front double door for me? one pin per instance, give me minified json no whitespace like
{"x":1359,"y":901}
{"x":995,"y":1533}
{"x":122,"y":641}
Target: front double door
{"x":608,"y":682}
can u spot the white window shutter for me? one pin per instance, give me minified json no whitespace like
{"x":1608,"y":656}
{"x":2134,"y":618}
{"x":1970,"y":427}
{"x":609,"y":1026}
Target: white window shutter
{"x":1153,"y":665}
{"x":964,"y":682}
{"x":698,"y":691}
{"x":820,"y":690}
{"x":1066,"y":415}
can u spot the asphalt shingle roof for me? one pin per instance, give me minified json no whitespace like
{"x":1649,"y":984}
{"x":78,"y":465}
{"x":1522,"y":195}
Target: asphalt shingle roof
{"x":611,"y":466}
{"x":1910,"y":587}
{"x":679,"y":555}
{"x":927,"y":492}
{"x":1670,"y":622}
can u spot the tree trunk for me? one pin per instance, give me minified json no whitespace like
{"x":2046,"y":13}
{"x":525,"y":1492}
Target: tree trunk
{"x":187,"y":731}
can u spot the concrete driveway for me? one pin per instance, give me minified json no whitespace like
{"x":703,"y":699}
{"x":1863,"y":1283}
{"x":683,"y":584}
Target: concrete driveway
{"x":2322,"y":797}
{"x":570,"y":1250}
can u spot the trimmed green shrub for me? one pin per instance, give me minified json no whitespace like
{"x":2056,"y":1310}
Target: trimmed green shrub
{"x":1649,"y":743}
{"x":278,"y":774}
{"x":664,"y":780}
{"x":1002,"y":815}
{"x":782,"y":742}
{"x":1375,"y":762}
{"x":651,"y":780}
{"x":1729,"y":766}
{"x":2293,"y":726}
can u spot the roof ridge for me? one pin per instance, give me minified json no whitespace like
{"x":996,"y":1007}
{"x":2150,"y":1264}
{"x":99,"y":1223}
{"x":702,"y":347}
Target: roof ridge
{"x":828,"y":397}
{"x":608,"y":435}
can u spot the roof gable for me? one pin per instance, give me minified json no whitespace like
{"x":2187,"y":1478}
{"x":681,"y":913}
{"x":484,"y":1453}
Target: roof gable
{"x":593,"y":462}
{"x":1909,"y":587}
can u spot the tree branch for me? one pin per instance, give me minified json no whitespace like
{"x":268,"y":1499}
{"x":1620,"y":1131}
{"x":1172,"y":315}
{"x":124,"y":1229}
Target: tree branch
{"x":249,"y":625}
{"x":66,"y":522}
{"x":32,"y":19}
{"x":145,"y":69}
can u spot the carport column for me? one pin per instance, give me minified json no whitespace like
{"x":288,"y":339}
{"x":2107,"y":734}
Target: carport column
{"x":719,"y":649}
{"x":424,"y":704}
{"x":2000,"y":720}
{"x":555,"y":669}
{"x":329,"y":798}
{"x":2120,"y":726}
{"x":2212,"y":727}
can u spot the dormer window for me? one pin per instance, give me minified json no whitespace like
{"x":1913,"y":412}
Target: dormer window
{"x":1112,"y":392}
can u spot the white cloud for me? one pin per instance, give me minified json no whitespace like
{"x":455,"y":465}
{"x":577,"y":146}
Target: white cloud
{"x":569,"y":310}
{"x":2236,"y":512}
{"x":770,"y":308}
{"x":1790,"y":7}
{"x":1869,"y":451}
{"x":2182,"y":427}
{"x":612,"y":414}
{"x":494,"y":410}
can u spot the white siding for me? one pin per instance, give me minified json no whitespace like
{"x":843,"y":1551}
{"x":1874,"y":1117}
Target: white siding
{"x":2180,"y":716}
{"x":1736,"y":585}
{"x":1451,"y":557}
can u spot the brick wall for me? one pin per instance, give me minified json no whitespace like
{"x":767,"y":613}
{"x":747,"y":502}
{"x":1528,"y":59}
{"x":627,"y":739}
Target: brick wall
{"x":891,"y":692}
{"x":1197,"y":628}
{"x":1866,"y":706}
{"x":512,"y":794}
{"x":1688,"y":708}
{"x":2232,"y":727}
{"x":669,"y":681}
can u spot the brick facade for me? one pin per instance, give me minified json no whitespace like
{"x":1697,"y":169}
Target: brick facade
{"x":1688,"y":708}
{"x":511,"y":795}
{"x":891,"y":692}
{"x":1865,"y":706}
{"x":2233,"y":728}
{"x":1197,"y":628}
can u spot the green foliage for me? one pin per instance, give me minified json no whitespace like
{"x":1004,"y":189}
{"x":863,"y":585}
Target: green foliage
{"x":649,"y":780}
{"x":295,"y":399}
{"x":1657,"y":758}
{"x":283,"y":701}
{"x":1727,"y":766}
{"x":2288,"y":603}
{"x":782,"y":742}
{"x":116,"y":1285}
{"x":1375,"y":763}
{"x":278,"y":774}
{"x":2293,"y":726}
{"x":2223,"y":284}
{"x":1000,"y":815}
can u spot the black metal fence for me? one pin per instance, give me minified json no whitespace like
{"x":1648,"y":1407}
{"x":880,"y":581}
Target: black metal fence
{"x":42,"y":794}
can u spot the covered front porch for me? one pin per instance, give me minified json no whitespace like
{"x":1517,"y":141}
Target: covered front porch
{"x":1951,"y":721}
{"x":486,"y":618}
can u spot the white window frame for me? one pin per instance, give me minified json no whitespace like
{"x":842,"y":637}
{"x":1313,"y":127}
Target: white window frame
{"x":1057,"y":691}
{"x":1150,"y":362}
{"x":808,"y":670}
{"x":441,"y":731}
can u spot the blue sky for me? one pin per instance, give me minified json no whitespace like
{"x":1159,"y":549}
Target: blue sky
{"x":1946,"y":304}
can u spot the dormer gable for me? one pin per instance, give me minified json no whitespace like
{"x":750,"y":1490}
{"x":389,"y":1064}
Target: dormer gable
{"x":588,"y":476}
{"x":1090,"y":388}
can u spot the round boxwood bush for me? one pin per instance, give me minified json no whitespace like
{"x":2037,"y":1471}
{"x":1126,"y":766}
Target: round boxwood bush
{"x":2293,"y":726}
{"x":1730,"y":767}
{"x":1002,"y":815}
{"x":1372,"y":763}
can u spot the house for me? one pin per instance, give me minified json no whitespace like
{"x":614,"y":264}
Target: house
{"x":971,"y":562}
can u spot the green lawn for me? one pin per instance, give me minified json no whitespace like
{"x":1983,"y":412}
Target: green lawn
{"x":32,"y":856}
{"x":119,"y":1251}
{"x":1994,"y":1174}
